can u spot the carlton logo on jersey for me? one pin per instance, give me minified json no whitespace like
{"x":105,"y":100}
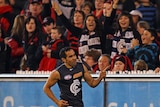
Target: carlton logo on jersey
{"x":74,"y":88}
{"x":67,"y":77}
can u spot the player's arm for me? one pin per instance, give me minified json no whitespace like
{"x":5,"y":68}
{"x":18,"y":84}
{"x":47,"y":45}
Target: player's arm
{"x":90,"y":80}
{"x":51,"y":81}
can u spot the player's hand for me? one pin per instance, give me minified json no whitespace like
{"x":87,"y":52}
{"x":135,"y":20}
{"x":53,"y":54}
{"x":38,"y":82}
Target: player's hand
{"x":63,"y":103}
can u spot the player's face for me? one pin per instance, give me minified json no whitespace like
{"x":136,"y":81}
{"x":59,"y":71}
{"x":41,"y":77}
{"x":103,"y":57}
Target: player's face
{"x":71,"y":58}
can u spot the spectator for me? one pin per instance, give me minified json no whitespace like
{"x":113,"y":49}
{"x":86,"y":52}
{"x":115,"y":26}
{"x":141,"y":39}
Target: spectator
{"x":123,"y":34}
{"x":66,"y":6}
{"x":77,"y":20}
{"x":48,"y":23}
{"x":148,"y":11}
{"x":148,"y":51}
{"x":89,"y":37}
{"x":140,"y":65}
{"x":91,"y":58}
{"x":38,"y":9}
{"x":33,"y":40}
{"x":15,"y":42}
{"x":98,"y":11}
{"x":104,"y":62}
{"x":157,"y":70}
{"x":77,"y":6}
{"x":51,"y":50}
{"x":136,"y":16}
{"x":7,"y":18}
{"x":141,"y":26}
{"x":158,"y":38}
{"x":5,"y":52}
{"x":121,"y":63}
{"x":87,"y":8}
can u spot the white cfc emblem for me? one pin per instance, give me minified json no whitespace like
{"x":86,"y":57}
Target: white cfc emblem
{"x":74,"y":87}
{"x":121,"y":44}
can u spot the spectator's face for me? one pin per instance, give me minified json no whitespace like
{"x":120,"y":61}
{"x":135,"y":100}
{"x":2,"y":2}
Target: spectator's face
{"x":124,"y":22}
{"x":54,"y":34}
{"x":79,"y":2}
{"x":78,"y":18}
{"x":2,"y":3}
{"x":147,"y":38}
{"x":99,"y":4}
{"x":48,"y":28}
{"x":89,"y":60}
{"x":135,"y":18}
{"x":31,"y":26}
{"x":86,"y":10}
{"x":103,"y":62}
{"x":140,"y":29}
{"x":90,"y":23}
{"x":35,"y":9}
{"x":119,"y":66}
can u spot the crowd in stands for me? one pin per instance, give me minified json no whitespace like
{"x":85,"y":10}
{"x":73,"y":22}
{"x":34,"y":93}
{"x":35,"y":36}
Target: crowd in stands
{"x":116,"y":35}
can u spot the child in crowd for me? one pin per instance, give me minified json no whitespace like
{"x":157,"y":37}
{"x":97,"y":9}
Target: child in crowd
{"x":140,"y":65}
{"x":51,"y":50}
{"x":148,"y":51}
{"x":121,"y":63}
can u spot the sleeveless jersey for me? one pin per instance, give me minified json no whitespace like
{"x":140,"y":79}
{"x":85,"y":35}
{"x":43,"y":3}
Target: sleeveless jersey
{"x":70,"y":84}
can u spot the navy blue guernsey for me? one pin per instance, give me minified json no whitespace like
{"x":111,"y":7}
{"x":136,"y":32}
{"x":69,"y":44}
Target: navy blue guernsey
{"x":70,"y":84}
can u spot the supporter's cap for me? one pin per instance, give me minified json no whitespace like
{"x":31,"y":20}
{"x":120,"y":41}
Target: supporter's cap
{"x":47,"y":21}
{"x":35,"y":1}
{"x":136,"y":12}
{"x":120,"y":58}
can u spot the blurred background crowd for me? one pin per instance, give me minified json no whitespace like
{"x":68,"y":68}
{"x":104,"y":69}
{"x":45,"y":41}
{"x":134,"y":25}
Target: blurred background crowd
{"x":120,"y":35}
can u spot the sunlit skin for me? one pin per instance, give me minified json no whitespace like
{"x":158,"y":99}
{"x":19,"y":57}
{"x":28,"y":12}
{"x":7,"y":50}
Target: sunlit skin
{"x":78,"y":19}
{"x":147,"y":38}
{"x":90,"y":23}
{"x":35,"y":9}
{"x":118,"y":66}
{"x":89,"y":60}
{"x":124,"y":22}
{"x":86,"y":10}
{"x":103,"y":62}
{"x":31,"y":26}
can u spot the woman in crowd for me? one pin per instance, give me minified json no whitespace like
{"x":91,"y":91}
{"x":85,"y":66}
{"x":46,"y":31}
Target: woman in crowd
{"x":33,"y":39}
{"x":15,"y":42}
